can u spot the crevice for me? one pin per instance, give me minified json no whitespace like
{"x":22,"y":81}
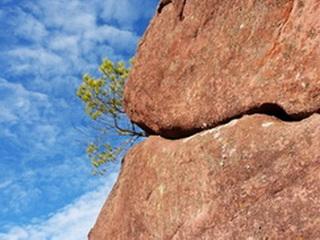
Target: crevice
{"x":149,"y":195}
{"x":178,"y":4}
{"x":175,"y":233}
{"x":181,"y":5}
{"x":162,"y":4}
{"x":269,"y":109}
{"x":275,"y":110}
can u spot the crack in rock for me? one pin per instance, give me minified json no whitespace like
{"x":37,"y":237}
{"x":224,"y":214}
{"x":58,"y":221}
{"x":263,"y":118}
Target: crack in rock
{"x":179,"y":6}
{"x":270,"y":109}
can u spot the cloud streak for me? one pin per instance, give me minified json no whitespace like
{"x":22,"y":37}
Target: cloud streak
{"x":19,"y":104}
{"x":73,"y":222}
{"x":45,"y":48}
{"x":63,"y":36}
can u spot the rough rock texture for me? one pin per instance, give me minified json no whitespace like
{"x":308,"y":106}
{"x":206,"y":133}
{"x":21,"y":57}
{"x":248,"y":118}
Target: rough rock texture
{"x":199,"y":65}
{"x":254,"y":178}
{"x":203,"y":62}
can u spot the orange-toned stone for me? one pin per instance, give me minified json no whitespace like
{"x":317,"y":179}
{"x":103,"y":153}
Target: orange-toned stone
{"x":254,"y":178}
{"x":218,"y":59}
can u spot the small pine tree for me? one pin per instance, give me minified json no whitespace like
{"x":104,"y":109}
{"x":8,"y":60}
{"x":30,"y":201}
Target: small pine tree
{"x":103,"y":100}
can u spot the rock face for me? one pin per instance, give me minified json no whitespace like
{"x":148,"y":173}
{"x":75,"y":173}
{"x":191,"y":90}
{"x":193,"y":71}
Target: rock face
{"x":257,"y":177}
{"x":254,"y":178}
{"x":201,"y":63}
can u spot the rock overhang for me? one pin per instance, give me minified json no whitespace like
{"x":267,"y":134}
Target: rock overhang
{"x":242,"y":78}
{"x":222,"y":60}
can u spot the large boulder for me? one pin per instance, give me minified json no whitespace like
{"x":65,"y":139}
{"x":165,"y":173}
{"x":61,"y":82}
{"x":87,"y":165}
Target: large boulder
{"x":201,"y":63}
{"x":254,"y":178}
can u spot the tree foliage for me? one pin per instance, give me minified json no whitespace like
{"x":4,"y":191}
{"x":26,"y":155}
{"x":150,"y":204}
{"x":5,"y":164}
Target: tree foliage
{"x":103,"y":100}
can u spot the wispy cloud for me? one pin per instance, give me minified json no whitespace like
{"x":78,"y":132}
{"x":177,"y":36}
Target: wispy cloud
{"x":126,"y":12}
{"x":63,"y":36}
{"x":19,"y":104}
{"x":5,"y":184}
{"x":73,"y":222}
{"x":28,"y":27}
{"x":45,"y":47}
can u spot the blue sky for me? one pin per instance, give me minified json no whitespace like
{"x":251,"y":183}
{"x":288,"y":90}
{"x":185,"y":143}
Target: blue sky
{"x":46,"y":187}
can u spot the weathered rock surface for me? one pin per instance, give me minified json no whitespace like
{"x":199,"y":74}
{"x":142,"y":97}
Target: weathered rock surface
{"x":203,"y":62}
{"x":254,"y":178}
{"x":200,"y":64}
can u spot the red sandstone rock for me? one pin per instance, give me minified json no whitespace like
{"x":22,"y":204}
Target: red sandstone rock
{"x":254,"y":178}
{"x":218,"y":59}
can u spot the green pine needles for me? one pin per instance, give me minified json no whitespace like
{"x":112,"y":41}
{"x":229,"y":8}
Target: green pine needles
{"x":103,"y":100}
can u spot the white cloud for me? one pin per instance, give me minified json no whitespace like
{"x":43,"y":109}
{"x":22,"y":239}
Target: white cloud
{"x":37,"y":61}
{"x":6,"y":115}
{"x":68,"y":16}
{"x":61,"y":179}
{"x":45,"y":135}
{"x":49,"y":44}
{"x":22,"y":197}
{"x":28,"y":27}
{"x":118,"y":39}
{"x":126,"y":12}
{"x":73,"y":222}
{"x":19,"y":104}
{"x":64,"y":36}
{"x":5,"y":184}
{"x":63,"y":42}
{"x":27,"y":118}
